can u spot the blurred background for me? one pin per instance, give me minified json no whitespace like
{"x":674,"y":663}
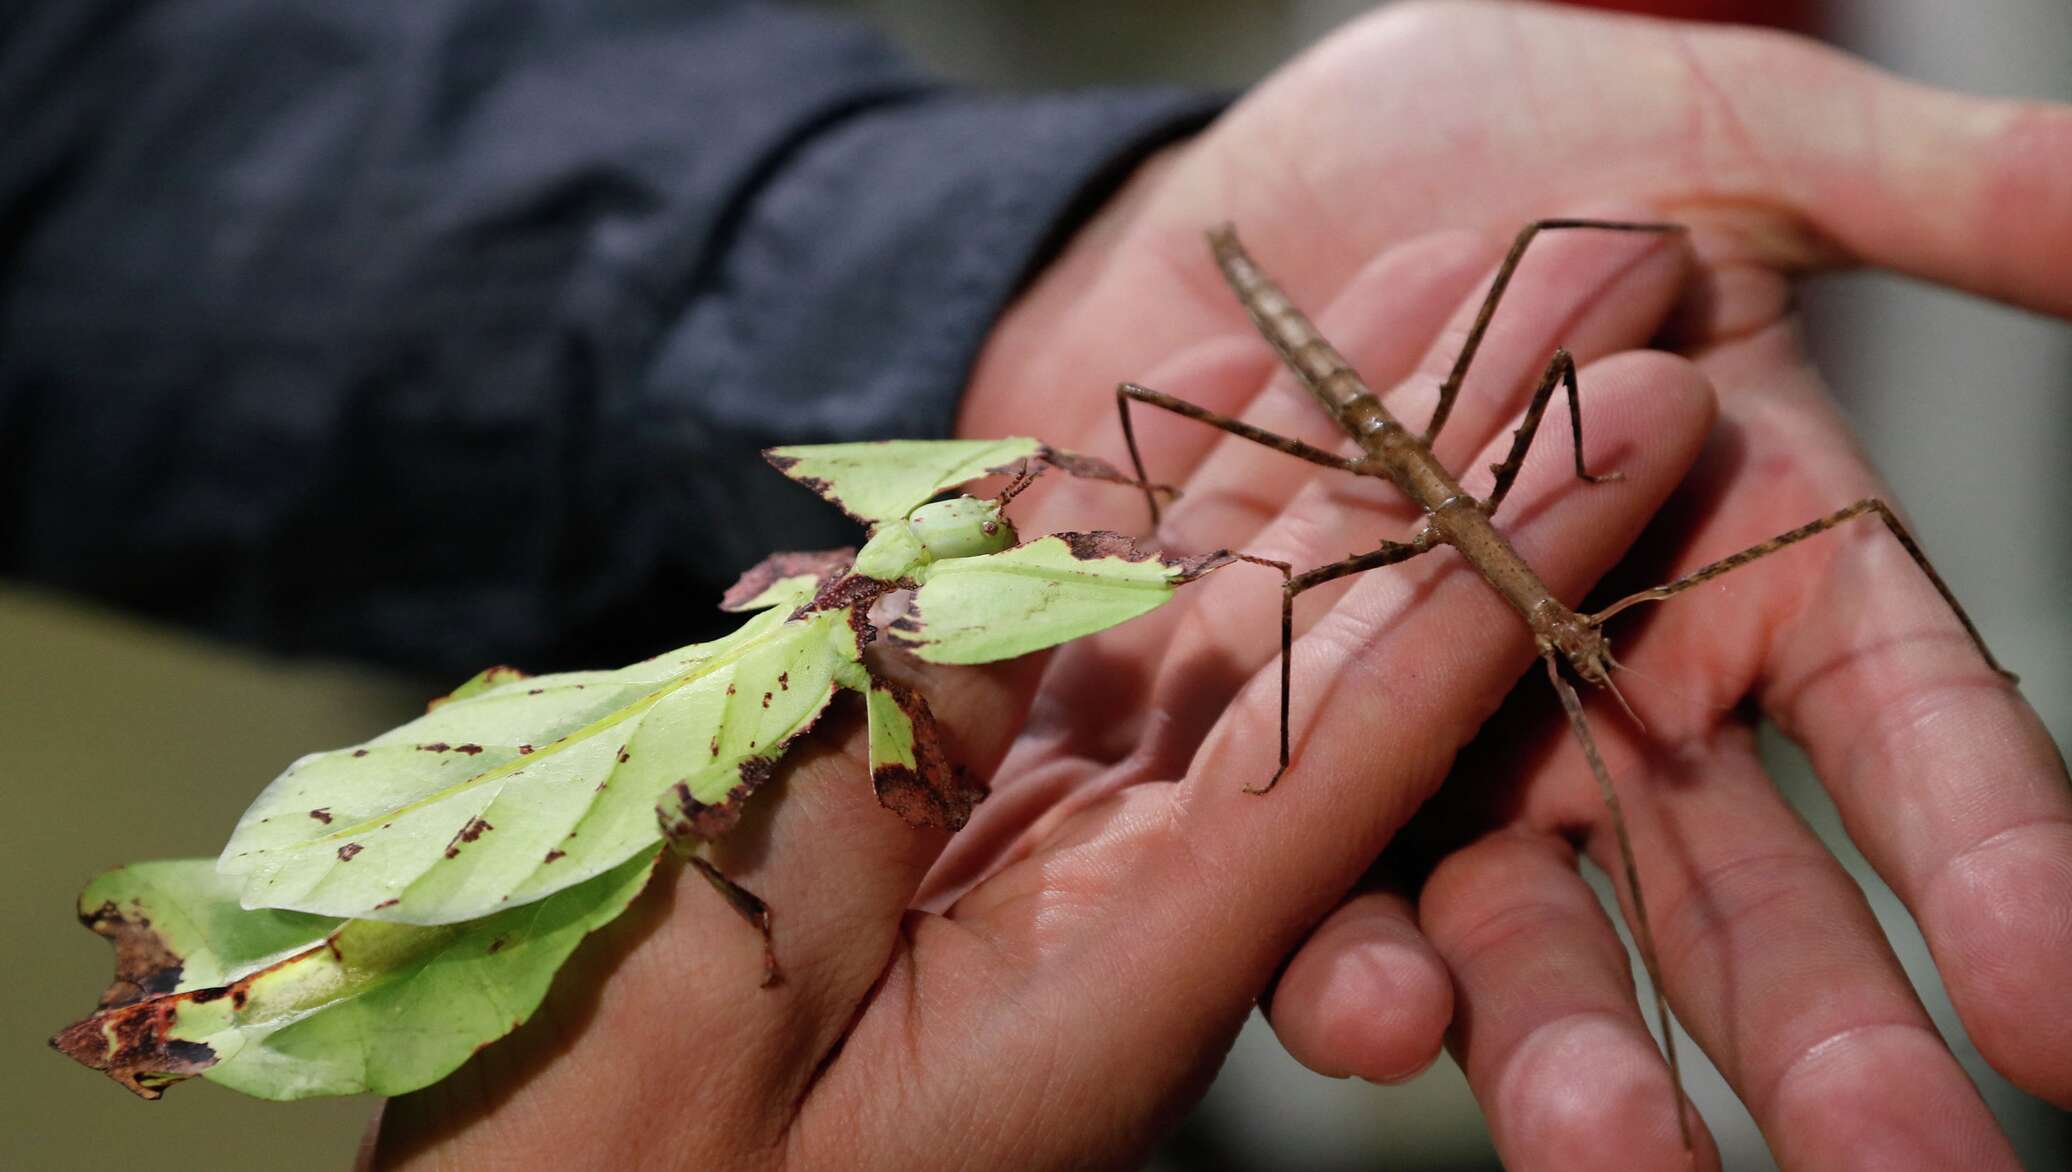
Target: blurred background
{"x":120,"y":740}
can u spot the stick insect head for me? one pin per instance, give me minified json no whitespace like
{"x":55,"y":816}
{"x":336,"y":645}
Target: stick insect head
{"x":1582,"y":643}
{"x":1578,"y":640}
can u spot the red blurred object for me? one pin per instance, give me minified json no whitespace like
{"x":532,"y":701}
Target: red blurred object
{"x":1797,"y":15}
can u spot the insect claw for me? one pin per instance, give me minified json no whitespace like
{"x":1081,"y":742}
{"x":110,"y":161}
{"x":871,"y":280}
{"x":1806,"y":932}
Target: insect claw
{"x":1260,"y":791}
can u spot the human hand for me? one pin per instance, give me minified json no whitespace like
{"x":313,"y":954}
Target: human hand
{"x":1115,"y":925}
{"x":1783,"y":157}
{"x":1069,"y":1002}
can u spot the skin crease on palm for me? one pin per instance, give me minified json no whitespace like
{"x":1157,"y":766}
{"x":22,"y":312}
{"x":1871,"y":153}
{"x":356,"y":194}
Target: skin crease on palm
{"x":1093,"y":940}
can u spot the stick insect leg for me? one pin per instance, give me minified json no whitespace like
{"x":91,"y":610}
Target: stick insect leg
{"x":1792,"y":537}
{"x":1389,"y":554}
{"x":1643,"y":934}
{"x":749,"y":906}
{"x":1562,"y":370}
{"x":1128,"y":392}
{"x":1451,"y":387}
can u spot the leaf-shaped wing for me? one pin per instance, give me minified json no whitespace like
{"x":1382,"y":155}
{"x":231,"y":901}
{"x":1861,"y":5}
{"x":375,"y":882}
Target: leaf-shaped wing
{"x":524,"y":788}
{"x":786,"y":579}
{"x":288,"y":1006}
{"x":1038,"y":594}
{"x":878,"y":481}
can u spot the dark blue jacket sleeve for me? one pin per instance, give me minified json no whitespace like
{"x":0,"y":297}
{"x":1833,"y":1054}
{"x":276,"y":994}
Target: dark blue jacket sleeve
{"x":445,"y":332}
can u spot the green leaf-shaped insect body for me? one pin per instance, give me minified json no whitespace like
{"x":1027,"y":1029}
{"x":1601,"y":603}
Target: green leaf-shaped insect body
{"x":516,"y":787}
{"x":459,"y":857}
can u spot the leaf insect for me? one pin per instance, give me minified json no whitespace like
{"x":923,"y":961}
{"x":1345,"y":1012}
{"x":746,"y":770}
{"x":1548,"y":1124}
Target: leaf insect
{"x":1452,"y":517}
{"x":396,"y":882}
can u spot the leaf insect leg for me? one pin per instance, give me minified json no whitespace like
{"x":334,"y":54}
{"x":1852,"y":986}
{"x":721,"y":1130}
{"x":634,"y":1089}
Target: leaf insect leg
{"x":1793,"y":536}
{"x":1449,"y":389}
{"x":749,"y":906}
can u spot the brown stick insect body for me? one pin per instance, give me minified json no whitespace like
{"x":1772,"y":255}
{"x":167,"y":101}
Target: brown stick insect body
{"x":1452,"y":517}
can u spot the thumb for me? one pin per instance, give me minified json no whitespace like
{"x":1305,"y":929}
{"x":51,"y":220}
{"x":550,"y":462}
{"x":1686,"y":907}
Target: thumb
{"x":1812,"y":157}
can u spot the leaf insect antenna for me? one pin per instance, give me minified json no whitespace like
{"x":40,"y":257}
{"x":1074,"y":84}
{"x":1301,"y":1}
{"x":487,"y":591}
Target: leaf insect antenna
{"x":1288,"y":593}
{"x":1024,"y":476}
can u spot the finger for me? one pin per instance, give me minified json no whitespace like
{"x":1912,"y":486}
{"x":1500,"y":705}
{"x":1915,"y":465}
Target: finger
{"x":1809,"y":157}
{"x":1643,"y":408}
{"x":1590,"y":292}
{"x":1596,"y":292}
{"x":1366,"y":995}
{"x":1385,"y":314}
{"x":1157,"y":916}
{"x":1388,"y":315}
{"x":1222,"y":632}
{"x":1902,"y":175}
{"x":1383,"y":321}
{"x":1593,"y":293}
{"x":1549,"y":1035}
{"x":1209,"y":658}
{"x":1943,"y":774}
{"x":1772,"y":959}
{"x":1400,"y":674}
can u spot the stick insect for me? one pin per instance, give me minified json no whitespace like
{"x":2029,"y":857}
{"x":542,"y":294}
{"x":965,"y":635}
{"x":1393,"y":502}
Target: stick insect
{"x":1452,"y":517}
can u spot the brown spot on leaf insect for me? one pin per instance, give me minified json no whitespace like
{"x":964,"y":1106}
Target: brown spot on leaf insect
{"x":932,"y":791}
{"x":145,"y":964}
{"x":693,"y":819}
{"x":466,"y":834}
